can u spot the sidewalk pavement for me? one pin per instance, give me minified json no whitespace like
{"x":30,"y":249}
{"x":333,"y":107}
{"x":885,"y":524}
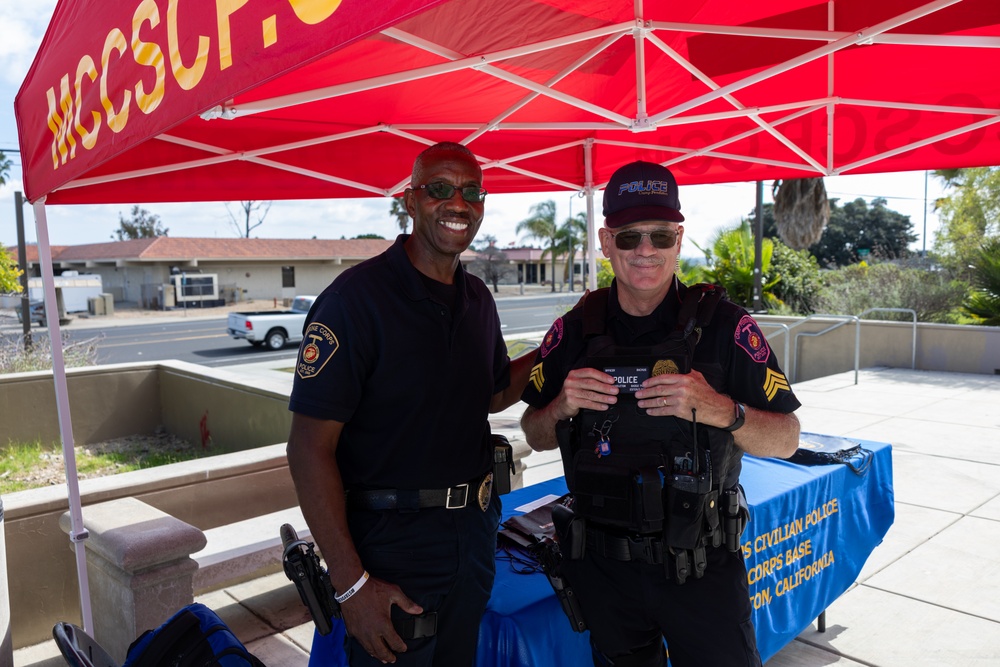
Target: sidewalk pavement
{"x":928,"y":595}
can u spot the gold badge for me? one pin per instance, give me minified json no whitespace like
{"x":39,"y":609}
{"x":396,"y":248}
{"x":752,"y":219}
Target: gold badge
{"x":485,"y":491}
{"x":665,"y":367}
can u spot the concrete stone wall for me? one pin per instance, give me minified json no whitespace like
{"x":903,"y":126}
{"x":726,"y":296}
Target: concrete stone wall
{"x":939,"y":347}
{"x":136,"y":399}
{"x":97,"y":399}
{"x":205,"y":493}
{"x":247,"y":478}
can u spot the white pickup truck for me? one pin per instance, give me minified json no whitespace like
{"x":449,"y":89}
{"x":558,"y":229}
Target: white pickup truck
{"x":273,"y":328}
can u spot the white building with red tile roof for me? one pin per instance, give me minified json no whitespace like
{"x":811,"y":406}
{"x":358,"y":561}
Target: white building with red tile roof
{"x":137,"y":270}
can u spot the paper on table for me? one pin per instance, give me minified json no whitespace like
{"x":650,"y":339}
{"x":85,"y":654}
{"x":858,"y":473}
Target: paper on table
{"x":544,"y":500}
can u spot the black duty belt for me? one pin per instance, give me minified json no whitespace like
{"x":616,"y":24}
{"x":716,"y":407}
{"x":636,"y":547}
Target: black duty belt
{"x":646,"y":549}
{"x":477,"y":491}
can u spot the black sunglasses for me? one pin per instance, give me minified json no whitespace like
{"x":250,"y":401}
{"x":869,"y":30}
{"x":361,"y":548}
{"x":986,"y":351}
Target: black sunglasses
{"x":470,"y":193}
{"x":661,"y":238}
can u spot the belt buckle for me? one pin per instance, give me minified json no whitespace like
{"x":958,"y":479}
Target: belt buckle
{"x":464,"y":501}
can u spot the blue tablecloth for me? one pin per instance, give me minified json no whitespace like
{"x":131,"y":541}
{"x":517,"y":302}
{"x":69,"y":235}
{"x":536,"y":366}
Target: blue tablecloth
{"x":811,"y":530}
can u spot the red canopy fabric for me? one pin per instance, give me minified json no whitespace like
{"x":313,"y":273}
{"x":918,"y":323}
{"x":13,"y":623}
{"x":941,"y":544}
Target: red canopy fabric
{"x":173,"y":100}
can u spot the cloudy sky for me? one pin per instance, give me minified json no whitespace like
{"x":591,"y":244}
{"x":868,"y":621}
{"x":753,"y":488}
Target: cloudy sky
{"x":707,"y":208}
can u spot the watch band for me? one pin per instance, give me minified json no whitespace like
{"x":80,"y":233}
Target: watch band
{"x":739,"y":418}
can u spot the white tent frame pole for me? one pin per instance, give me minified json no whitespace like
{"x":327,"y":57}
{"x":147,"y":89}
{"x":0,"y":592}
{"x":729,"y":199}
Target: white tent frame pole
{"x":918,"y":144}
{"x":481,"y":61}
{"x":77,"y":533}
{"x":753,"y":117}
{"x":861,"y":37}
{"x":896,"y":38}
{"x":588,"y":171}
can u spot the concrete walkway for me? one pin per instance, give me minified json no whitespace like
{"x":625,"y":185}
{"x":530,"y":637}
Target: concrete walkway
{"x":929,"y":595}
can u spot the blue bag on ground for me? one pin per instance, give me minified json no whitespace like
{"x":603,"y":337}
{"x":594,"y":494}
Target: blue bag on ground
{"x":193,"y":637}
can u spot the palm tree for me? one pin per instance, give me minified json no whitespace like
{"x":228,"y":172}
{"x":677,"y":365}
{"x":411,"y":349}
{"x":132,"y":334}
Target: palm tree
{"x":733,"y":264}
{"x":572,"y":235}
{"x":398,"y":211}
{"x":983,"y":301}
{"x":801,"y":211}
{"x":542,"y":225}
{"x":5,"y":165}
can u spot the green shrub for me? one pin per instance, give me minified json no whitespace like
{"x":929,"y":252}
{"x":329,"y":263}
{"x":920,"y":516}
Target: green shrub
{"x":799,"y":281}
{"x":15,"y":358}
{"x":853,"y":289}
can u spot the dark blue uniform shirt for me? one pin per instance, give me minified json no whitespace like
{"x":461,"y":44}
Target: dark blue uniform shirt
{"x":410,"y":376}
{"x":732,"y":353}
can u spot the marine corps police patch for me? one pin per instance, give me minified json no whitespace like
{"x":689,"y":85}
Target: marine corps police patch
{"x":749,"y":337}
{"x":552,"y":338}
{"x":319,"y":344}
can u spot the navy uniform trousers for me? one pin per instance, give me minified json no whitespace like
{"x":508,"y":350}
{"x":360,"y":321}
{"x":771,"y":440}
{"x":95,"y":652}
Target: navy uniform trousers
{"x":444,"y":560}
{"x":631,"y":605}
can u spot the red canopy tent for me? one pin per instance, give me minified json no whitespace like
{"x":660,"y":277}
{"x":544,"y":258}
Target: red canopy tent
{"x":170,"y":100}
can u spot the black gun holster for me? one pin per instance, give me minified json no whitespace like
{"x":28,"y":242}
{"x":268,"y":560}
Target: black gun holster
{"x":570,"y":531}
{"x":303,"y":567}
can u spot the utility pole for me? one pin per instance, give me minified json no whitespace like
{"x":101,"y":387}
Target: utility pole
{"x":923,"y":253}
{"x":22,"y":263}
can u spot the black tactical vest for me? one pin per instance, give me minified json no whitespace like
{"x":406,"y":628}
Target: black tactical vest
{"x":640,"y":473}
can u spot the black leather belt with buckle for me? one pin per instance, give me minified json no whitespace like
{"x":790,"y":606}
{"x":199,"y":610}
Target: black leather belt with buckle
{"x":453,"y":498}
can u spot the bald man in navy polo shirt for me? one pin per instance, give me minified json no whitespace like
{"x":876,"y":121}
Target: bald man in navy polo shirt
{"x":390,"y":448}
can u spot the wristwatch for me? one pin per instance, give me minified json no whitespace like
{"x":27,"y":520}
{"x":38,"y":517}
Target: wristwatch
{"x":741,"y":413}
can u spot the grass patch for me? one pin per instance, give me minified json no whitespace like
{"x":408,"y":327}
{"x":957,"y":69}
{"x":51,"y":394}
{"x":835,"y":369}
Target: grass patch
{"x":516,"y":348}
{"x":32,"y":465}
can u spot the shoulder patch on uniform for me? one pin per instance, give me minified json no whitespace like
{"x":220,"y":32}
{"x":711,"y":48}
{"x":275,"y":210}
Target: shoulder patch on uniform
{"x":552,"y":338}
{"x":319,"y":344}
{"x":773,"y":383}
{"x":749,"y":337}
{"x":537,"y":377}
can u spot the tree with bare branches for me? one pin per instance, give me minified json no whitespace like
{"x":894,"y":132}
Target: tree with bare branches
{"x":249,"y":217}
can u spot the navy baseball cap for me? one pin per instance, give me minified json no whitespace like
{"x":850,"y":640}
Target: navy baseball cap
{"x":641,"y":191}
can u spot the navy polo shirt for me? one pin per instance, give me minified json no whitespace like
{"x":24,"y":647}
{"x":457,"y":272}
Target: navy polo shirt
{"x":411,"y":377}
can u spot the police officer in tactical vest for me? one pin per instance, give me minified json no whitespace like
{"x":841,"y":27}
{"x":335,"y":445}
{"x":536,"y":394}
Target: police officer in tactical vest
{"x":653,"y":391}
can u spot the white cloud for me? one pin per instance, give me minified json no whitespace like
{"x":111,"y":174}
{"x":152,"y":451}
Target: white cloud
{"x":22,"y":26}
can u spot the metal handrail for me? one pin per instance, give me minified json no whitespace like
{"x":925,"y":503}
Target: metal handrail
{"x":913,"y":342}
{"x":845,"y":319}
{"x":780,"y":325}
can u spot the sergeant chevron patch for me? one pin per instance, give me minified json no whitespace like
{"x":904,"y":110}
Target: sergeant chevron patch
{"x":773,"y":383}
{"x":536,"y":377}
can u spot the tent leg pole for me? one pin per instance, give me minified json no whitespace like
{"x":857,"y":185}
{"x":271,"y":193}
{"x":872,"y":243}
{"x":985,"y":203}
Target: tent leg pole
{"x":77,"y":532}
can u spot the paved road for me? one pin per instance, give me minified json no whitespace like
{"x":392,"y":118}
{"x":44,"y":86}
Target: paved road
{"x":204,"y":341}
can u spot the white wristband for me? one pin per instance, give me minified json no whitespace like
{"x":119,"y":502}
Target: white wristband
{"x":358,"y":585}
